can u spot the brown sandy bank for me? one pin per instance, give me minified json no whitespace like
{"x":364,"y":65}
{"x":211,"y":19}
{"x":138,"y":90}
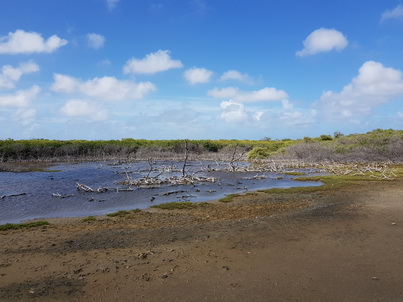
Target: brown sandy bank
{"x":344,"y":245}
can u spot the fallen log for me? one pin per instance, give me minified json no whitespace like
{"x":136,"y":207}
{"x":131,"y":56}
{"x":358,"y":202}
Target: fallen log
{"x":12,"y":195}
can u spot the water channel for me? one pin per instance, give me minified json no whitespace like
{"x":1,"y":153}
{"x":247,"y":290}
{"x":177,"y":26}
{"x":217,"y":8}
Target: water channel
{"x":31,"y":195}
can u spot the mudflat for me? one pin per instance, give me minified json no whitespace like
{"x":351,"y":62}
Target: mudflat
{"x":333,"y":245}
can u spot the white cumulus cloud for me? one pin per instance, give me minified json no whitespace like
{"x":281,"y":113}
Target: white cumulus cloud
{"x":20,"y":98}
{"x":396,"y":13}
{"x":109,"y":88}
{"x":95,"y":41}
{"x":233,"y":112}
{"x":236,"y":75}
{"x":152,"y":63}
{"x":22,"y":42}
{"x":197,"y":75}
{"x":10,"y":75}
{"x":104,"y":88}
{"x":64,"y":83}
{"x":82,"y":108}
{"x":265,"y":94}
{"x":323,"y":40}
{"x":374,"y":85}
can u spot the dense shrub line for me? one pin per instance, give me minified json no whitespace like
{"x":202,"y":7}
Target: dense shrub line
{"x":374,"y":146}
{"x":377,"y":145}
{"x":130,"y":149}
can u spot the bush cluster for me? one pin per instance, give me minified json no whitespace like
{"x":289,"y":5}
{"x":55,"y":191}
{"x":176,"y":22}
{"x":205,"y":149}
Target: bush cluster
{"x":374,"y":146}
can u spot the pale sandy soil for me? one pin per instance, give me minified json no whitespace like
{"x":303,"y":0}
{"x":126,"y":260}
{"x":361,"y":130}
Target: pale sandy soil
{"x":344,"y":245}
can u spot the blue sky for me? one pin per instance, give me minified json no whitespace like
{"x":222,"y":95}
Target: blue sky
{"x":199,"y":69}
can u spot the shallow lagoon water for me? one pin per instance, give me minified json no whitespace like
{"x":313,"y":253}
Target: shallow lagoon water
{"x":37,"y":188}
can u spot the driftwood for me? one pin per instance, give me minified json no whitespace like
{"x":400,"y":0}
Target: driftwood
{"x":186,"y":158}
{"x":150,"y":182}
{"x":375,"y":170}
{"x":233,"y":166}
{"x":12,"y":195}
{"x":85,"y":188}
{"x":277,"y":166}
{"x":257,"y":176}
{"x":61,"y":196}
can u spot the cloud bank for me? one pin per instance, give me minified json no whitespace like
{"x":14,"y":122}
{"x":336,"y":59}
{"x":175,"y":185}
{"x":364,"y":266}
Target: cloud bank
{"x":25,"y":116}
{"x":81,"y":108}
{"x":104,"y":88}
{"x":265,"y":94}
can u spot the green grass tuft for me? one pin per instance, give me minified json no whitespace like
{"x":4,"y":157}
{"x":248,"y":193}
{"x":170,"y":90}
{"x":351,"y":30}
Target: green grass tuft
{"x":121,"y":213}
{"x":295,"y":173}
{"x":16,"y":226}
{"x":229,"y":198}
{"x":89,"y":219}
{"x":252,"y":194}
{"x":176,"y":205}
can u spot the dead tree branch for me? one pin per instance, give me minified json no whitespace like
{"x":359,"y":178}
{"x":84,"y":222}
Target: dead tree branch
{"x":186,"y":158}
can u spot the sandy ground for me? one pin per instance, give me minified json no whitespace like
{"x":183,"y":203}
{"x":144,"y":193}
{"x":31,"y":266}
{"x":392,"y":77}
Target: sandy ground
{"x":344,"y":245}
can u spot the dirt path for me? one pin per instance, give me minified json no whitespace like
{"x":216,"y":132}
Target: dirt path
{"x":330,"y":246}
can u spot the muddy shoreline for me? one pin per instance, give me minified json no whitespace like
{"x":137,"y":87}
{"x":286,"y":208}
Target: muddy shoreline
{"x":342,"y":245}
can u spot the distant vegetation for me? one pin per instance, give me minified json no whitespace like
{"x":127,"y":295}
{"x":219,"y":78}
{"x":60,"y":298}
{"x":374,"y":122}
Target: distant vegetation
{"x":129,"y":149}
{"x":376,"y":145}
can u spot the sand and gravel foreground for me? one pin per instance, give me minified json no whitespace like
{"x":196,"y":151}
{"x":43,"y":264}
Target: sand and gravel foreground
{"x":343,"y":245}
